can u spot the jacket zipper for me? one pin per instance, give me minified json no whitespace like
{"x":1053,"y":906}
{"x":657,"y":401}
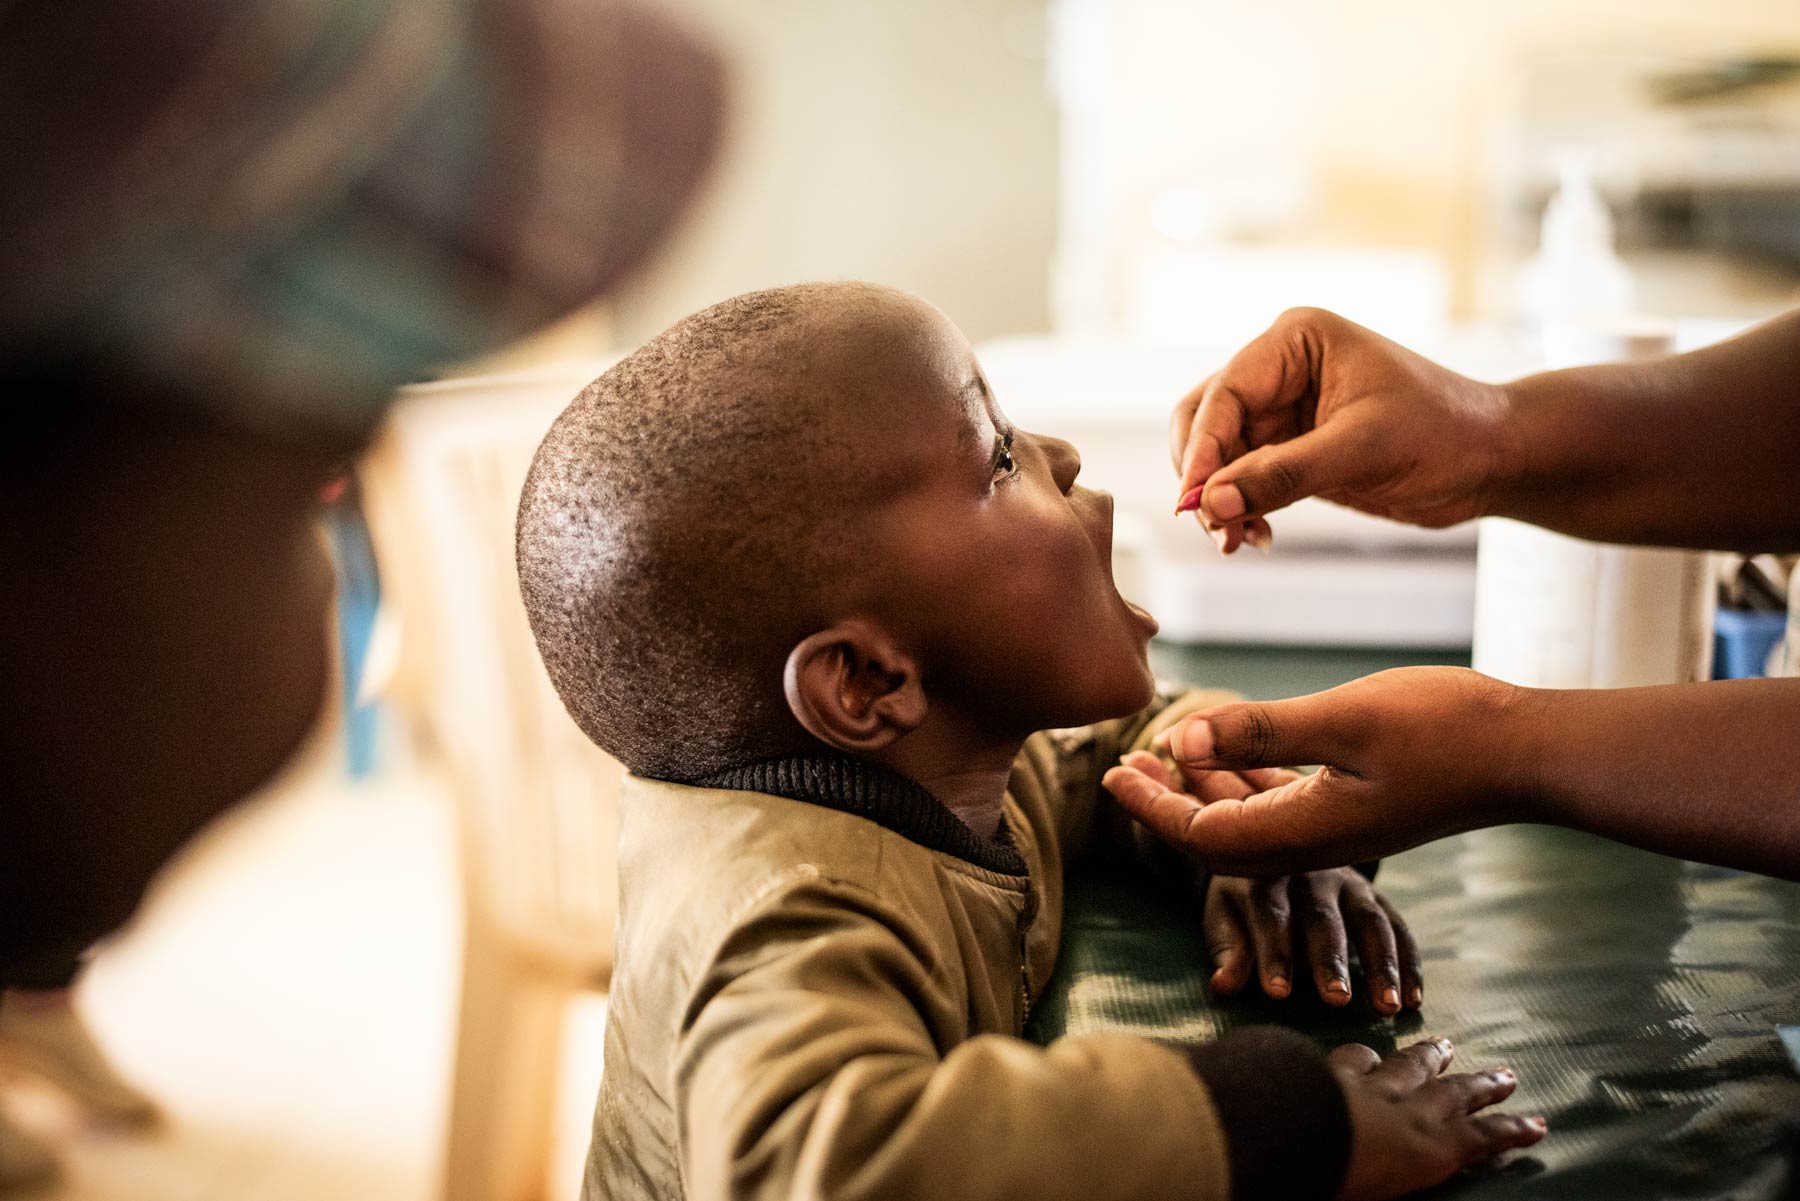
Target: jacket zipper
{"x":1024,"y":988}
{"x":1026,"y":914}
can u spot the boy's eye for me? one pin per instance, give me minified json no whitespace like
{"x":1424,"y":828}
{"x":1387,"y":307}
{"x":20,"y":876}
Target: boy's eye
{"x":1003,"y":456}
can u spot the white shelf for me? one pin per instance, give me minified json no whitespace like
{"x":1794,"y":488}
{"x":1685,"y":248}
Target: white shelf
{"x":1425,"y":601}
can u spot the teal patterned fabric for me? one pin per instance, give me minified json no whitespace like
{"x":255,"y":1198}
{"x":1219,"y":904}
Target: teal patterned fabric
{"x":1637,"y":996}
{"x":286,"y":208}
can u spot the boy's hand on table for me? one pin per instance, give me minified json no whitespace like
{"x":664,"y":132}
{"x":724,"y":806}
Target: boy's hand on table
{"x":1412,"y":1127}
{"x":1251,"y":925}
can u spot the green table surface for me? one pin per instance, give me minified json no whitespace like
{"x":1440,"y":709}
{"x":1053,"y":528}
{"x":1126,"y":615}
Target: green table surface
{"x":1270,"y":672}
{"x":1637,"y":996}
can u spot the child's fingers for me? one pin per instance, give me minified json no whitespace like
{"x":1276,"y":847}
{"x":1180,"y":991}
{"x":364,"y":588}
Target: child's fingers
{"x":1454,"y":1096}
{"x":1412,"y":972}
{"x":1167,"y":812}
{"x":1151,"y":766}
{"x":1376,"y":943}
{"x":1216,"y":785}
{"x":1489,"y":1135}
{"x":1271,"y":932}
{"x":1354,"y":1058}
{"x":1410,"y":1067}
{"x":1228,"y":941}
{"x":1327,"y":945}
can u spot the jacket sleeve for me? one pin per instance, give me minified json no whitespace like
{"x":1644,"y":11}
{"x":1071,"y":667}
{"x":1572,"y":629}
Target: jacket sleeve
{"x":811,"y":1064}
{"x":1056,"y":780}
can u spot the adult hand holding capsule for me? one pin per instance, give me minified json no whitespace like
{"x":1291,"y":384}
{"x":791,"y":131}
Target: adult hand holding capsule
{"x":1320,"y":406}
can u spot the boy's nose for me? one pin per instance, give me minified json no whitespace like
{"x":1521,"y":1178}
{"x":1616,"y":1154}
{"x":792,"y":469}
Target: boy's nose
{"x":1065,"y":460}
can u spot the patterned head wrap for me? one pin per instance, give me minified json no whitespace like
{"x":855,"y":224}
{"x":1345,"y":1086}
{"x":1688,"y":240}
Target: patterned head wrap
{"x":286,"y":208}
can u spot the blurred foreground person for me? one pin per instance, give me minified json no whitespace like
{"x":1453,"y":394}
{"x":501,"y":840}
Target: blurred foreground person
{"x":228,"y":232}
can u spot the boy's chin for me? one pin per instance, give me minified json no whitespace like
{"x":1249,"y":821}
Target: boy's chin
{"x":1143,"y":686}
{"x":1120,"y":693}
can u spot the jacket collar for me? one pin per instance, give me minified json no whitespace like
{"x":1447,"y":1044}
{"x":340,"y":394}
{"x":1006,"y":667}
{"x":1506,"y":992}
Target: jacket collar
{"x":871,"y":791}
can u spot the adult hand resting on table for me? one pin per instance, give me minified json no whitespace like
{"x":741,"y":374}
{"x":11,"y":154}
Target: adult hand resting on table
{"x":1695,"y":450}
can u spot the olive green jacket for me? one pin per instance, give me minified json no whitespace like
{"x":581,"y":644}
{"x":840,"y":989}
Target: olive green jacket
{"x":814,"y":1003}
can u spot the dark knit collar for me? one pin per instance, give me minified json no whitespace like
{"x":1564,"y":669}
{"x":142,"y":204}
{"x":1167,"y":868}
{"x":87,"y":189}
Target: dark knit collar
{"x":869,"y":790}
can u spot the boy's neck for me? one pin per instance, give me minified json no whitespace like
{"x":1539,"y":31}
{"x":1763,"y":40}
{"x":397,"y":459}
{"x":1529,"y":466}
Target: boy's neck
{"x":969,"y":779}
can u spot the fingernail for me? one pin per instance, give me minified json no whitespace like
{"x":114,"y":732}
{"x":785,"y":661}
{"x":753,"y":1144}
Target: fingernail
{"x":1192,"y":740}
{"x":1416,"y":997}
{"x":1220,"y":539}
{"x":1255,"y":535}
{"x":1504,"y":1075}
{"x":1537,"y":1121}
{"x":1161,"y":741}
{"x":1227,"y":503}
{"x":1278,"y":984}
{"x":1390,"y":997}
{"x":1337,"y":986}
{"x":1190,"y":500}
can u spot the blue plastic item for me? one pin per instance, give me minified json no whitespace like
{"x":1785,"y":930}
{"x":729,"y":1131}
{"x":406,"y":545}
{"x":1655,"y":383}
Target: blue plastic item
{"x":358,"y":599}
{"x":1742,"y":642}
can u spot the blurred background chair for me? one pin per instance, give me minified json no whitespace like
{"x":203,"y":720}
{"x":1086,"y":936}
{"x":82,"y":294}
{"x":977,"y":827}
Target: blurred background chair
{"x":536,"y":800}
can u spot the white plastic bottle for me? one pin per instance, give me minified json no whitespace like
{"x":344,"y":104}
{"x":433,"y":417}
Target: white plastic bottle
{"x":1576,"y":281}
{"x":1558,"y":612}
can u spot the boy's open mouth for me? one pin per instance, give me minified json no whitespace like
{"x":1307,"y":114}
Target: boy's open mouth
{"x":1138,"y":613}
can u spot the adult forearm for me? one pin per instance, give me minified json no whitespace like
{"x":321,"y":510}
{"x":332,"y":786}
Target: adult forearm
{"x":1699,"y":450}
{"x":1701,"y":771}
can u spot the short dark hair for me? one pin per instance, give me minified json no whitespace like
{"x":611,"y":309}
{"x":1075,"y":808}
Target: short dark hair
{"x":679,"y":528}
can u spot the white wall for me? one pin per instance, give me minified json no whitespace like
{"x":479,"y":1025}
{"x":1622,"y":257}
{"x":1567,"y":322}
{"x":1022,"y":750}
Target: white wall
{"x":1379,"y":105}
{"x":910,"y":142}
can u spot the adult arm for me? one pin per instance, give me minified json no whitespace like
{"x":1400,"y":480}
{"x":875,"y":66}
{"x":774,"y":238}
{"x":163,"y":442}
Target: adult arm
{"x":1701,"y":449}
{"x":1702,"y":771}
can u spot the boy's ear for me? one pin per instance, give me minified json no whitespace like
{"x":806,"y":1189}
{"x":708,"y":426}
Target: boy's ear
{"x":853,"y":688}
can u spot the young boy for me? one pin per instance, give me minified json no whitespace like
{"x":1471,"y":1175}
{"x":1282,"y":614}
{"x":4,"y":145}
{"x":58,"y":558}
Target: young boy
{"x":792,"y":566}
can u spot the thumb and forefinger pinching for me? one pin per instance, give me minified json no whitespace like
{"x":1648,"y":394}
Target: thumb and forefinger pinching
{"x":1230,"y":437}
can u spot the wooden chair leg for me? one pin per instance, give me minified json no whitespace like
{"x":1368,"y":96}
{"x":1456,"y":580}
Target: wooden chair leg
{"x":502,"y":1097}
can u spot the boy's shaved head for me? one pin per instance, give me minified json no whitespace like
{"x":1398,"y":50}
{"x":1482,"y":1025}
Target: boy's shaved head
{"x":690,"y":517}
{"x":817,"y":481}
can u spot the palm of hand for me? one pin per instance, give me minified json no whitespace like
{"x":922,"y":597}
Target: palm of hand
{"x":1285,"y":815}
